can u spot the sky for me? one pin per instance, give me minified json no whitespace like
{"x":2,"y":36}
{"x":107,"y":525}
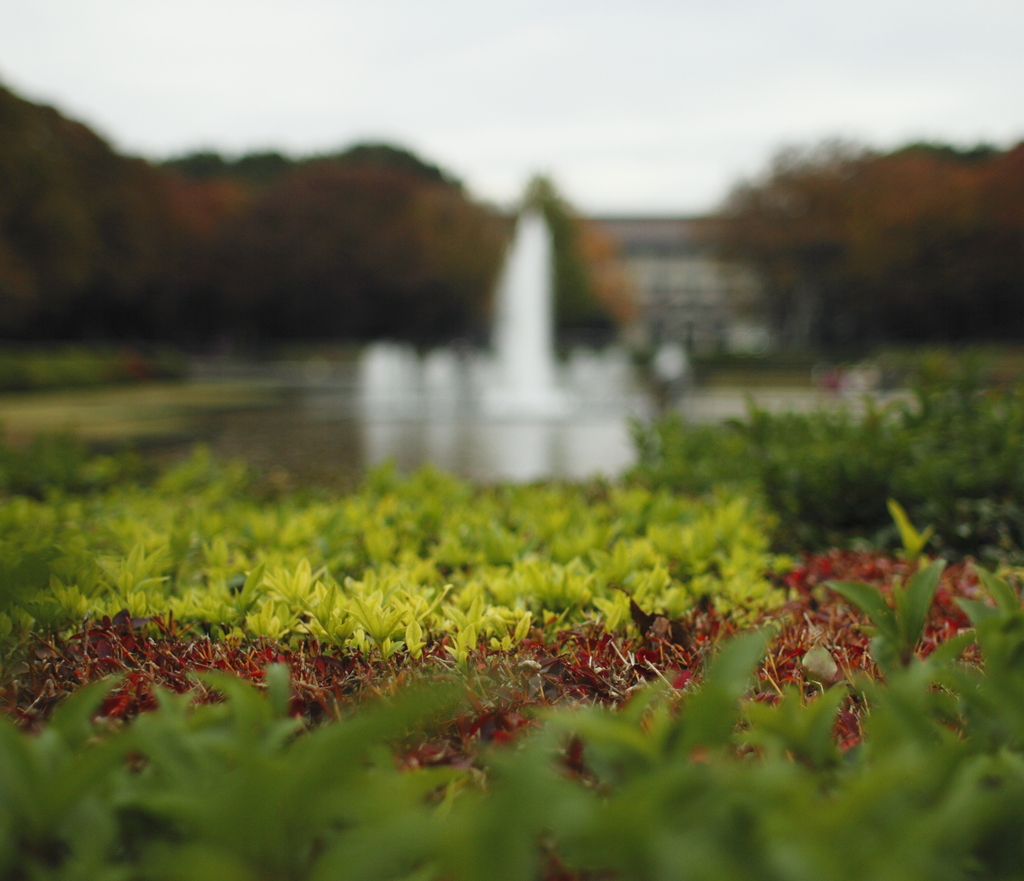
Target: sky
{"x":645,"y":107}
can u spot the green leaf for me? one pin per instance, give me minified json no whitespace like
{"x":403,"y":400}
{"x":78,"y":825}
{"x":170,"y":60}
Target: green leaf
{"x":913,"y":541}
{"x":977,"y":610}
{"x":917,"y":599}
{"x":871,"y":602}
{"x":279,"y":687}
{"x":951,"y":649}
{"x":799,"y":727}
{"x":72,"y":719}
{"x":710,"y":715}
{"x":1004,"y":595}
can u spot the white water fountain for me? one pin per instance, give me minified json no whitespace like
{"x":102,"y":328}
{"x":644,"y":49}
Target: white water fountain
{"x":513,"y":412}
{"x":524,"y":382}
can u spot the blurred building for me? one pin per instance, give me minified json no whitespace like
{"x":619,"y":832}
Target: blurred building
{"x":684,"y":292}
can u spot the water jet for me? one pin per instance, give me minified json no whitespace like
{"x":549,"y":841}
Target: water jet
{"x":511,"y":412}
{"x":523,"y":339}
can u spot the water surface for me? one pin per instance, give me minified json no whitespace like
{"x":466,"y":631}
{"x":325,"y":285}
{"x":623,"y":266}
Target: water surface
{"x":318,"y":446}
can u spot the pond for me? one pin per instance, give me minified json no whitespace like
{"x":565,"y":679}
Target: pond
{"x":337,"y":419}
{"x":325,"y":422}
{"x":317,"y":447}
{"x":334,"y":419}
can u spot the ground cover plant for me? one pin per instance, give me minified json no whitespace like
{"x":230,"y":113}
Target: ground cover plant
{"x":387,"y":568}
{"x":717,"y":775}
{"x":60,"y":464}
{"x":425,"y":679}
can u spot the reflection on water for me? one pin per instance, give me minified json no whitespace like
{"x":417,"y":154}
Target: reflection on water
{"x":394,"y":382}
{"x":319,"y":446}
{"x":344,"y":416}
{"x":488,"y":451}
{"x":437,"y":408}
{"x":393,"y":404}
{"x":284,"y":445}
{"x":319,"y":437}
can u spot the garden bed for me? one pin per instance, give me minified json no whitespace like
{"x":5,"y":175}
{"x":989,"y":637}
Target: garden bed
{"x":426,"y":680}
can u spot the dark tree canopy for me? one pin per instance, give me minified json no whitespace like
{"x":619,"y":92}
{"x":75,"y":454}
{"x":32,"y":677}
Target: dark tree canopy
{"x":267,"y":167}
{"x":853,"y":246}
{"x":579,"y":307}
{"x":86,"y":235}
{"x":369,"y":242}
{"x":359,"y":251}
{"x":924,"y":244}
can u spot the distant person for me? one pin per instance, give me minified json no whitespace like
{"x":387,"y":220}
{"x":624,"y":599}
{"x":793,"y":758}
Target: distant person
{"x":671,"y":370}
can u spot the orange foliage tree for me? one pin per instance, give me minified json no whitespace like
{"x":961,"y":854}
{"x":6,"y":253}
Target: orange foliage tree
{"x":357,"y":250}
{"x":371,"y":242}
{"x":922,"y":244}
{"x":92,"y":244}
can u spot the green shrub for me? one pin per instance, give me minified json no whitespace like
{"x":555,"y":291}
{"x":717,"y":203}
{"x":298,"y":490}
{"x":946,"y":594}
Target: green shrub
{"x":60,"y":464}
{"x":953,"y":458}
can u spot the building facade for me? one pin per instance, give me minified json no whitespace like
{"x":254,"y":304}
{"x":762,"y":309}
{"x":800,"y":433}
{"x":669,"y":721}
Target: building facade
{"x":684,"y":293}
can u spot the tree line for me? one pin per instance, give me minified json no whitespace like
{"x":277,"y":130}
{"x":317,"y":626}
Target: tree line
{"x":370,"y":242}
{"x":854,"y":247}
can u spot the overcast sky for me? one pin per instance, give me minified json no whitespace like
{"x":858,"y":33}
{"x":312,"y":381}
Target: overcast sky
{"x":647,"y":106}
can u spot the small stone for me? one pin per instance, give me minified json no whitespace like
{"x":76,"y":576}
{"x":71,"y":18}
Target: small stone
{"x":818,"y":664}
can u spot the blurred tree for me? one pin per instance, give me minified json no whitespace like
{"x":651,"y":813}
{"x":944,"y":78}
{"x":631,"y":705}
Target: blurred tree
{"x":349,"y":250}
{"x":396,"y":158}
{"x":791,"y":226}
{"x":260,"y":169}
{"x":372,"y":241}
{"x":916,"y":239}
{"x":579,"y":309}
{"x":610,"y":285}
{"x":1002,"y":207}
{"x":200,"y":165}
{"x":853,"y":247}
{"x":856,"y":247}
{"x":254,"y":169}
{"x":85,"y":234}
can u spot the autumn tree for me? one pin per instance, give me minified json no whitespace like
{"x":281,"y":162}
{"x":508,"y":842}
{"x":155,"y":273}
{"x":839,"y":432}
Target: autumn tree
{"x":91,"y":243}
{"x":855,"y":247}
{"x":587,"y":293}
{"x":919,"y":247}
{"x":266,"y":167}
{"x":354,"y":250}
{"x":791,"y":227}
{"x":371,"y":241}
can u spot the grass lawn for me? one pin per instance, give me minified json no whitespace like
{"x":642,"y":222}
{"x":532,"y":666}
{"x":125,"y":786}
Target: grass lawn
{"x":136,"y":412}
